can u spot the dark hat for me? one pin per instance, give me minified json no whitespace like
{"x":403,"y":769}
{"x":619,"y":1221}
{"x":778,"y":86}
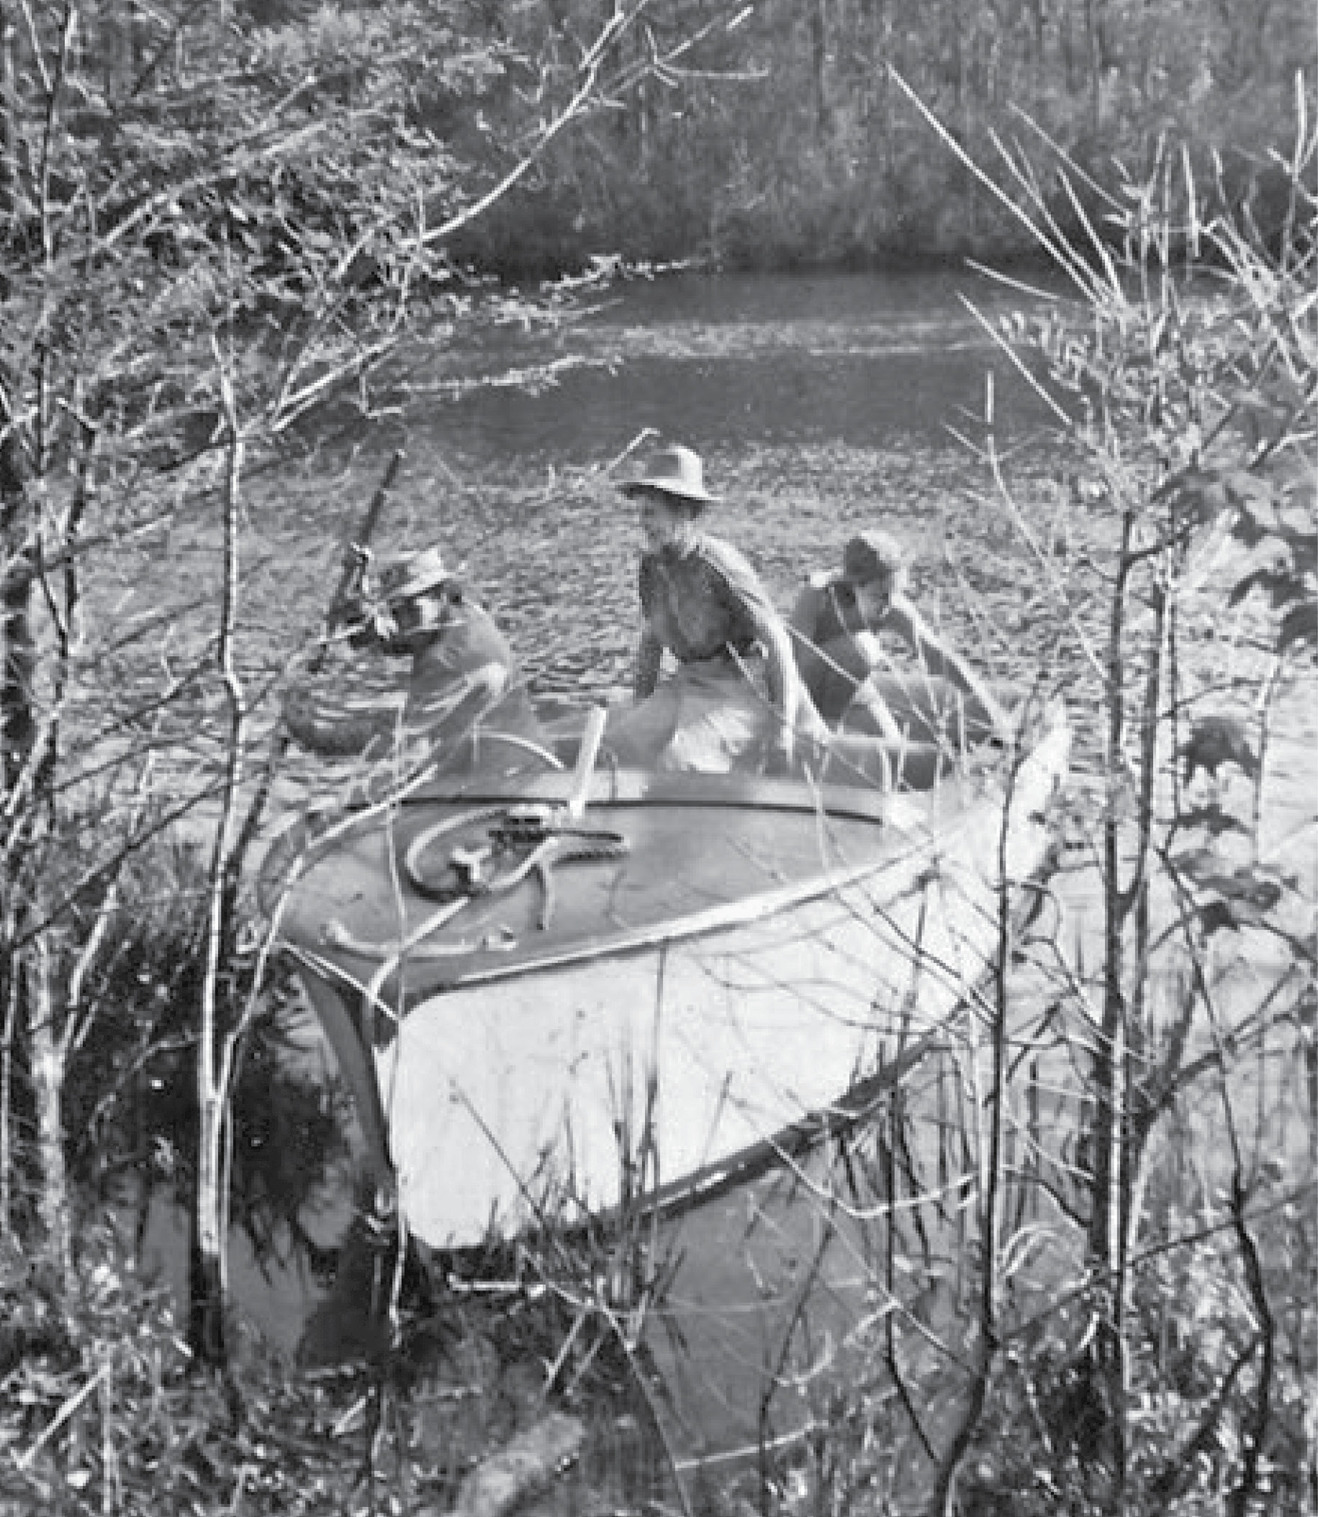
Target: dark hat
{"x":674,"y":471}
{"x":870,"y":554}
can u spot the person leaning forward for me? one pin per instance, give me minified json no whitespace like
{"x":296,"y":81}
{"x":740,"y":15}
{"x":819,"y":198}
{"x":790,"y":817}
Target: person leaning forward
{"x":465,"y":699}
{"x":734,"y":701}
{"x":837,"y":626}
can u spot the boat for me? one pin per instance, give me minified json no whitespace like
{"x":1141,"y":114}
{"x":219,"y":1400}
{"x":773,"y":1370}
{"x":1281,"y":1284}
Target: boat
{"x":560,"y":994}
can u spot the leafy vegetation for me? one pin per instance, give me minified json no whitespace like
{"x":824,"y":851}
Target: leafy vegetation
{"x":213,"y":229}
{"x":1130,"y":1154}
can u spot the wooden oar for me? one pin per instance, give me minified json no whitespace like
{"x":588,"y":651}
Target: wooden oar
{"x":591,"y":738}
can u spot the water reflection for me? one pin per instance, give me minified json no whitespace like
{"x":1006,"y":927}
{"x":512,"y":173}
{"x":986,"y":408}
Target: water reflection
{"x":861,"y":400}
{"x":722,"y":360}
{"x":725,"y":1332}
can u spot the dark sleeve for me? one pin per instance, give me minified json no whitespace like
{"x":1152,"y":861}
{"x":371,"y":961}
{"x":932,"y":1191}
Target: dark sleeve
{"x":804,"y":618}
{"x":649,"y":649}
{"x":645,"y":586}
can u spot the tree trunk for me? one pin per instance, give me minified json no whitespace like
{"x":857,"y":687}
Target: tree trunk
{"x":17,"y":719}
{"x":47,"y":1065}
{"x":216,"y":1046}
{"x":1096,"y":51}
{"x":8,"y":108}
{"x":1110,"y":1130}
{"x":8,"y":1055}
{"x":819,"y":69}
{"x":208,"y":1274}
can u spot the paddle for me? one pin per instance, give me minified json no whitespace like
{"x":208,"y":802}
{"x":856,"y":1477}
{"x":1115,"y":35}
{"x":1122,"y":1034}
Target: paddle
{"x":349,"y":577}
{"x":591,"y":738}
{"x":355,"y":551}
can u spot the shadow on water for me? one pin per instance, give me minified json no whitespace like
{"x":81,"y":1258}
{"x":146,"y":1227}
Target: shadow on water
{"x":861,"y":400}
{"x":291,"y":1177}
{"x":697,"y":1350}
{"x":753,"y":1284}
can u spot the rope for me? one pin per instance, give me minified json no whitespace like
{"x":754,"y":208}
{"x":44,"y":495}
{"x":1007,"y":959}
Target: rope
{"x":564,"y":844}
{"x":427,"y":836}
{"x":539,"y":827}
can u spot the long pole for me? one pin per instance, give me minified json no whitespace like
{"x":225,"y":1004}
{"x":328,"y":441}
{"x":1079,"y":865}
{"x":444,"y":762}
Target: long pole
{"x":349,"y":570}
{"x":350,"y":565}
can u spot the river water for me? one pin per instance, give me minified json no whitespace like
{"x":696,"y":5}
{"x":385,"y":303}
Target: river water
{"x":734,"y":360}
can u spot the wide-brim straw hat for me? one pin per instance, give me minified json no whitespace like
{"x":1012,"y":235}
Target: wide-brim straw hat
{"x":673,"y":471}
{"x":869,"y":555}
{"x":411,"y":574}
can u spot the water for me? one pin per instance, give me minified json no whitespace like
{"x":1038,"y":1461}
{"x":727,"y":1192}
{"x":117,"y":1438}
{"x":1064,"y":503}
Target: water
{"x":797,"y":1284}
{"x":779,"y":1291}
{"x":786,"y":1287}
{"x":727,"y":361}
{"x":771,"y":1275}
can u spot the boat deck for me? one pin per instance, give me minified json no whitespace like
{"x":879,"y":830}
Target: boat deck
{"x":490,"y":879}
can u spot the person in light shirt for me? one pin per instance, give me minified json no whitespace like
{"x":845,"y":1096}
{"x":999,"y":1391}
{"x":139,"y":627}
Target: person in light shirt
{"x":841,"y":627}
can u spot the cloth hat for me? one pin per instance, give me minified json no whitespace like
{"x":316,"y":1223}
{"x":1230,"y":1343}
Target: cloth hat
{"x":675,"y":471}
{"x":412,"y":574}
{"x":869,"y":555}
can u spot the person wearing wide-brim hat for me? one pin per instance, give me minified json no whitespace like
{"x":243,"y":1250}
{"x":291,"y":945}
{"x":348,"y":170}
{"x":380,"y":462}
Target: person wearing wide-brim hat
{"x":734,"y":700}
{"x":838,"y":628}
{"x":465,"y":701}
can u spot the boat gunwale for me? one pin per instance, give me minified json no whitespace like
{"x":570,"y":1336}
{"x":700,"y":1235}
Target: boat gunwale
{"x":624,"y":944}
{"x":634,"y":786}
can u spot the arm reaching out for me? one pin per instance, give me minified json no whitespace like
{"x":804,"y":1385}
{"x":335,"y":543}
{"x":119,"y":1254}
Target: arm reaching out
{"x":939,"y":658}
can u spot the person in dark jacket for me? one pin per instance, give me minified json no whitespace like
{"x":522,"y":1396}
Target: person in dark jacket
{"x":465,"y":702}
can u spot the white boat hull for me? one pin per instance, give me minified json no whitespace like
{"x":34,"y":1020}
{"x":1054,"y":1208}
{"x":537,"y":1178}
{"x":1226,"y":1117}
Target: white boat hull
{"x":640,"y":1061}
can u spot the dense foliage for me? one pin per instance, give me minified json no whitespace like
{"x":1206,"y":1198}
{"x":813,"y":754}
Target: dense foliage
{"x":214,"y":225}
{"x":1174,"y":1368}
{"x":784,"y":135}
